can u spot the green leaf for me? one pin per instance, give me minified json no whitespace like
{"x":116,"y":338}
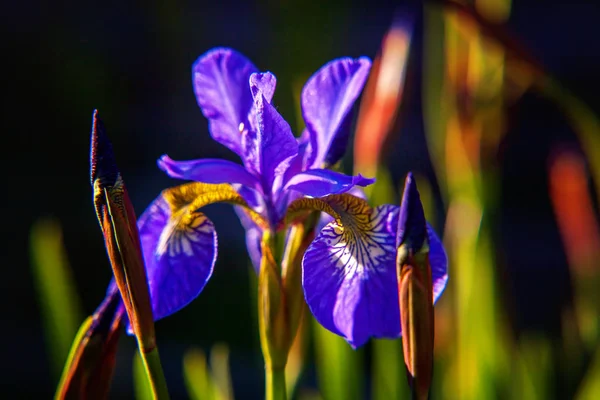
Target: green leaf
{"x":389,"y":373}
{"x":219,"y":367}
{"x":59,"y":302}
{"x":339,"y":368}
{"x":197,"y":376}
{"x":142,"y":388}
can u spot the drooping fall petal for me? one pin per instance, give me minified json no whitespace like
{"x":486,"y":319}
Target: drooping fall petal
{"x":349,"y":270}
{"x":348,"y":283}
{"x":180,"y":250}
{"x":180,"y":242}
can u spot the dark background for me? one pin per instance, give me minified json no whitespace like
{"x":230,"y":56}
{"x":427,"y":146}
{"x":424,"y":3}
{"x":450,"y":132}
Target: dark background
{"x":132,"y":61}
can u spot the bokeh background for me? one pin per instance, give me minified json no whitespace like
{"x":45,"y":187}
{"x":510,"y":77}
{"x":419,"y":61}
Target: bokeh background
{"x":132,"y":61}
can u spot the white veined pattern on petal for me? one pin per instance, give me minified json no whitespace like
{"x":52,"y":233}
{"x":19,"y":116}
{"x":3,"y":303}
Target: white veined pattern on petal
{"x":349,"y":272}
{"x":362,"y":242}
{"x":182,"y":232}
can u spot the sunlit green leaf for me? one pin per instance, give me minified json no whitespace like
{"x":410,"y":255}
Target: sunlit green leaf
{"x":58,"y":299}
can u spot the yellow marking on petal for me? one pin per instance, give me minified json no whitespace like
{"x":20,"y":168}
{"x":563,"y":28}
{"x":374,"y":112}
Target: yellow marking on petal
{"x":349,"y":211}
{"x":356,"y":239}
{"x":186,"y":224}
{"x":192,"y":196}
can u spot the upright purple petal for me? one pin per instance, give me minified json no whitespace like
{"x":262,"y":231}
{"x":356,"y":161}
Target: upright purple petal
{"x":209,"y":171}
{"x":327,"y":99}
{"x":265,"y":83}
{"x":322,"y":182}
{"x":349,"y":277}
{"x":269,"y":150}
{"x":438,"y":262}
{"x":179,"y":252}
{"x":220,"y":78}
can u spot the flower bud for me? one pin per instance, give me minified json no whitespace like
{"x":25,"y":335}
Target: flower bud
{"x":119,"y":226}
{"x":89,"y":369}
{"x":415,"y":291}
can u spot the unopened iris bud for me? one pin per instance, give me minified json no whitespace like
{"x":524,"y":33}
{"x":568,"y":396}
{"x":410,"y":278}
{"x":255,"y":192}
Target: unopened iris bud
{"x":415,"y":291}
{"x":119,"y":226}
{"x":90,"y":366}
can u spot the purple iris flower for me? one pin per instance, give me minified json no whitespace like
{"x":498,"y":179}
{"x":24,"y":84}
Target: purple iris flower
{"x":180,"y":243}
{"x":349,"y":270}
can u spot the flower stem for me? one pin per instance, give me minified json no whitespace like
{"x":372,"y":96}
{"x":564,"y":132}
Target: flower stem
{"x":275,"y":383}
{"x":153,"y":368}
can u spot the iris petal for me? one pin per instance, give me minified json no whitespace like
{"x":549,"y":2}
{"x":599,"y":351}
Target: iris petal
{"x":325,"y":218}
{"x":268,"y":151}
{"x":323,"y":182}
{"x":327,"y":99}
{"x":208,"y":171}
{"x":438,"y":262}
{"x":349,"y":275}
{"x":180,"y":250}
{"x":265,"y":83}
{"x":220,"y":78}
{"x":349,"y":272}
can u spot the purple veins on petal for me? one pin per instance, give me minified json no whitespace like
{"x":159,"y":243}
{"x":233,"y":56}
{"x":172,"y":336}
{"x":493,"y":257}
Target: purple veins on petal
{"x":220,"y":79}
{"x":323,"y":182}
{"x":326,"y":100}
{"x":180,"y":251}
{"x":325,"y":218}
{"x":349,"y":276}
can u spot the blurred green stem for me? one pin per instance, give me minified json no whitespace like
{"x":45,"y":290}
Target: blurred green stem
{"x":275,"y":383}
{"x":58,"y":298}
{"x":388,"y":374}
{"x":156,"y":377}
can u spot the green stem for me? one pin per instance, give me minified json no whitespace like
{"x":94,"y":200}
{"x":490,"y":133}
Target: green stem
{"x":275,"y":383}
{"x":153,"y":368}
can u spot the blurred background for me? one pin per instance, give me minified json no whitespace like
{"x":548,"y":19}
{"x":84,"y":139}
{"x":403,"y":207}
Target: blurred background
{"x":496,"y":118}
